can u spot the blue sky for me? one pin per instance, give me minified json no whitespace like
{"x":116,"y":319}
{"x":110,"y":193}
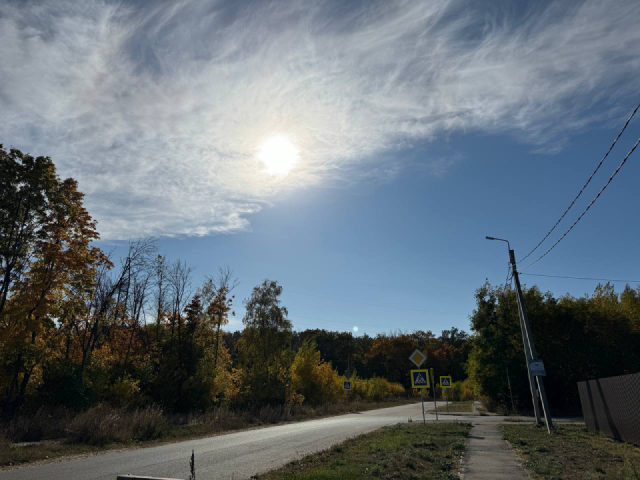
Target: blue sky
{"x":419,"y":127}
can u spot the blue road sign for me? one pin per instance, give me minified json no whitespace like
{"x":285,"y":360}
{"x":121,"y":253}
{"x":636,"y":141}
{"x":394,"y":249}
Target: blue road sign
{"x":445,"y":381}
{"x":419,"y":379}
{"x":347,"y":385}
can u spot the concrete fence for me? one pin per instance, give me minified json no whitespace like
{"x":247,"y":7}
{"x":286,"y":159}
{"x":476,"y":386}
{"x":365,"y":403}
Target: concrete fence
{"x":612,"y":406}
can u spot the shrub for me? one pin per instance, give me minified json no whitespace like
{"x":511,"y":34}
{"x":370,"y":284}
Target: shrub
{"x":99,"y":426}
{"x":376,"y":388}
{"x":274,"y":414}
{"x":125,"y":391}
{"x":44,"y":423}
{"x":312,"y":379}
{"x":148,"y":423}
{"x":4,"y":443}
{"x":102,"y":424}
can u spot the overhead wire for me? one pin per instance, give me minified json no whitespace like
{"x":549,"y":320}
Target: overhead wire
{"x":507,"y":279}
{"x":584,"y":186}
{"x":588,"y":206}
{"x":580,"y":278}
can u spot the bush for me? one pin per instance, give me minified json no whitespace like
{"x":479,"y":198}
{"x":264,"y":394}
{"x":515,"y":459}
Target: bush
{"x":101,"y":425}
{"x":312,"y":379}
{"x":5,"y":444}
{"x":124,"y":392}
{"x":376,"y":388}
{"x":45,"y":423}
{"x":274,"y":414}
{"x":148,"y":423}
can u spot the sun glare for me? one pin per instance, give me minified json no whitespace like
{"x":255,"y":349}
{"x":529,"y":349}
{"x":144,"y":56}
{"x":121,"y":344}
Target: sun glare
{"x":279,"y":155}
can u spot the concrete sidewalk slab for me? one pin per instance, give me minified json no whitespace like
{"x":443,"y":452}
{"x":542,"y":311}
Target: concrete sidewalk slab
{"x":487,"y":455}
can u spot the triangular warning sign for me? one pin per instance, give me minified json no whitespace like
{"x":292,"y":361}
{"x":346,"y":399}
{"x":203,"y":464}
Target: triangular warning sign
{"x":420,"y":380}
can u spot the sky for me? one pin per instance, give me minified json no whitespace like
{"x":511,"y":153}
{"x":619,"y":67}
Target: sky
{"x":357,"y":152}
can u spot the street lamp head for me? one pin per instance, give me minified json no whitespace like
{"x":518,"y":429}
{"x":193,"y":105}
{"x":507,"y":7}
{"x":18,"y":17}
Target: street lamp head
{"x":489,"y":238}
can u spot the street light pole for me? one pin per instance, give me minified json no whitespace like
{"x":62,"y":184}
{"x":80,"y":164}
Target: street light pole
{"x":536,"y":385}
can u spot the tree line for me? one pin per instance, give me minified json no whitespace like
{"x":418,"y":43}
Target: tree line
{"x":581,"y":338}
{"x":80,"y":328}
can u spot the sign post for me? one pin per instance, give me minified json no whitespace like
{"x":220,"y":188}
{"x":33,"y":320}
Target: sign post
{"x":446,"y":383}
{"x":418,"y":358}
{"x":433,"y":380}
{"x":420,"y":379}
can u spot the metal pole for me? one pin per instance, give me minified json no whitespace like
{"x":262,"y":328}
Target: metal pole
{"x":529,"y":343}
{"x":433,"y":383}
{"x":422,"y":399}
{"x":513,"y":407}
{"x":447,"y":400}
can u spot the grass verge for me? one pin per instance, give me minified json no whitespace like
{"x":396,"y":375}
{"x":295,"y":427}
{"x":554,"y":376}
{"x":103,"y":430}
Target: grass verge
{"x":56,"y":433}
{"x":455,"y":407}
{"x":572,"y":453}
{"x":407,"y":451}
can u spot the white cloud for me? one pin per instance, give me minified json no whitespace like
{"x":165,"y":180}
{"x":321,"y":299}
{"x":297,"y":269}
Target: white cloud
{"x":158,"y":110}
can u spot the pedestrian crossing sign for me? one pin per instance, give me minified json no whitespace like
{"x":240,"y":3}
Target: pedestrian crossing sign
{"x":445,"y":382}
{"x":419,"y":379}
{"x":347,"y":385}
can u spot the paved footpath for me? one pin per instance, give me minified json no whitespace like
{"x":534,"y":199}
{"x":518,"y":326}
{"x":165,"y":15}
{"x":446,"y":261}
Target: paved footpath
{"x":487,"y":455}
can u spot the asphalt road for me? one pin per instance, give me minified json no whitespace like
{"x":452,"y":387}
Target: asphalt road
{"x":229,"y":456}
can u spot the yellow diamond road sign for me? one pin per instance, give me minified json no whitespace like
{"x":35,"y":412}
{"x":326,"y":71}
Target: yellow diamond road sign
{"x":418,"y":358}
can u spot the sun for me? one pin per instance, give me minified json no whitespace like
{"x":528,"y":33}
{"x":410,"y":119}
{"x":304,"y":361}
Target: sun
{"x":279,"y":155}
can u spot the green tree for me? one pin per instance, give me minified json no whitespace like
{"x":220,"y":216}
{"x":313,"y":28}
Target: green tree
{"x":265,"y":345}
{"x":577,"y":338}
{"x":27,"y":188}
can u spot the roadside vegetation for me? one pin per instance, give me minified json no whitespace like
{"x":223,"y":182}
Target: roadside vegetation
{"x":97,"y":349}
{"x":58,"y":432}
{"x":408,"y":451}
{"x":578,"y":338}
{"x":455,"y":407}
{"x":572,"y":453}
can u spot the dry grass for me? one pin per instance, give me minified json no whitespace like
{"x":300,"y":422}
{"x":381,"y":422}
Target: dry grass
{"x":572,"y":453}
{"x":104,"y":427}
{"x":455,"y":407}
{"x":403,"y":451}
{"x":44,"y":424}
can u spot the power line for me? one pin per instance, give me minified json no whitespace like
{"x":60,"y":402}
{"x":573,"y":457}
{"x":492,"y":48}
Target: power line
{"x":580,"y":278}
{"x":506,"y":281}
{"x":589,"y":206}
{"x":584,"y":186}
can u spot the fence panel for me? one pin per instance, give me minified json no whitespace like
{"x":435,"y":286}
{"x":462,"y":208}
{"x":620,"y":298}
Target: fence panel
{"x":612,"y":406}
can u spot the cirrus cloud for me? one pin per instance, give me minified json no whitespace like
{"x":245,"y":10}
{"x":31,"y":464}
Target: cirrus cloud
{"x":158,"y":109}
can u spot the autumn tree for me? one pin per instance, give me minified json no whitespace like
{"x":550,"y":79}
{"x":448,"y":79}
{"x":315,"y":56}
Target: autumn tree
{"x":48,"y":263}
{"x":264,"y":346}
{"x":312,"y":379}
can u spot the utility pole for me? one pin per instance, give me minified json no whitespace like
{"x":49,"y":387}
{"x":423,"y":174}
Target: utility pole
{"x":536,"y":383}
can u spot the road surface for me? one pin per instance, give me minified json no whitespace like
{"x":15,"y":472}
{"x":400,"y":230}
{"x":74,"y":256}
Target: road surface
{"x":233,"y":455}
